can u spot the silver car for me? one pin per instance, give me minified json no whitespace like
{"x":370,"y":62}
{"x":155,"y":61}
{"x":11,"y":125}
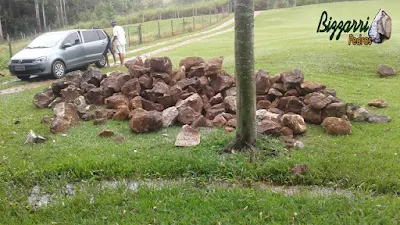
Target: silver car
{"x":55,"y":53}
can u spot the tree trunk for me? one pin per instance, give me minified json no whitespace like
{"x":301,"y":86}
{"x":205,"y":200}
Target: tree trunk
{"x":245,"y":77}
{"x":1,"y":32}
{"x":44,"y":17}
{"x":65,"y":14}
{"x":61,"y":15}
{"x":39,"y":26}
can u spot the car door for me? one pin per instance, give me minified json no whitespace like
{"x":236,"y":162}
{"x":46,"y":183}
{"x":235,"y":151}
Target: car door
{"x":94,"y":46}
{"x":74,"y":56}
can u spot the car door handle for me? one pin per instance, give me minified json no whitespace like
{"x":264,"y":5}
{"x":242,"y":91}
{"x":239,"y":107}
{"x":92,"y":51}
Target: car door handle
{"x":103,"y":43}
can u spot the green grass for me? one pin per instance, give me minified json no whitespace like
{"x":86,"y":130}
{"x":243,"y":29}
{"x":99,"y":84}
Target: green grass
{"x":368,"y":160}
{"x":199,"y":204}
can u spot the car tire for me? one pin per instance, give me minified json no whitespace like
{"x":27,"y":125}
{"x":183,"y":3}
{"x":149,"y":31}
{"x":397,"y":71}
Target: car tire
{"x":58,"y":69}
{"x":102,"y":63}
{"x":24,"y":78}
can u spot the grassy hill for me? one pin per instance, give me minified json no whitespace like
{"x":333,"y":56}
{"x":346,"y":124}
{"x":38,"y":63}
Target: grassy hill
{"x":366,"y":163}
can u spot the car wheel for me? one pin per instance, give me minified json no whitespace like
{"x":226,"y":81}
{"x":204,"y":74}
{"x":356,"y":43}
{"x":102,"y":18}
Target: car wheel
{"x":24,"y":78}
{"x":58,"y":69}
{"x":102,"y":63}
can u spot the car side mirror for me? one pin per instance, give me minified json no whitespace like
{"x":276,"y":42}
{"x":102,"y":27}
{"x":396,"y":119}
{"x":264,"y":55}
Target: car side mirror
{"x":67,"y":45}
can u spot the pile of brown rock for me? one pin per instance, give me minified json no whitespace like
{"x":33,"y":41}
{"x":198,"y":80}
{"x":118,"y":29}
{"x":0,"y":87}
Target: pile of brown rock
{"x":152,"y":95}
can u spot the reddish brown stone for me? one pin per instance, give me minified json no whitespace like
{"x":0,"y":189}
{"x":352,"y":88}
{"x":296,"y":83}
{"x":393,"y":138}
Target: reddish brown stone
{"x":263,"y":104}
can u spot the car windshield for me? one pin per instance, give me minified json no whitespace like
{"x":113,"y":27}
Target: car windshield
{"x":47,"y":40}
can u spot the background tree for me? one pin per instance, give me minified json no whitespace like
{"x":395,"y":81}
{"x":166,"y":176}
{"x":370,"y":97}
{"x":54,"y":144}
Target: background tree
{"x":245,"y":77}
{"x":38,"y":24}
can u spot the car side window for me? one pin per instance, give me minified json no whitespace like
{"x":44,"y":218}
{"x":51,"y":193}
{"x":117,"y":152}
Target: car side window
{"x":73,"y":39}
{"x":90,"y":36}
{"x":101,"y":35}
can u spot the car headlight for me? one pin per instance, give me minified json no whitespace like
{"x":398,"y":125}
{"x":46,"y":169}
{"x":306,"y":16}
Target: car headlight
{"x":40,"y":59}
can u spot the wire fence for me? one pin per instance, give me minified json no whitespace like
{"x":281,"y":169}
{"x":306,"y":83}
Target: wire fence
{"x":136,"y":34}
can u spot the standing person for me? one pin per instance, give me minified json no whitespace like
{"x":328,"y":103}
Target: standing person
{"x":108,"y":48}
{"x":119,"y":40}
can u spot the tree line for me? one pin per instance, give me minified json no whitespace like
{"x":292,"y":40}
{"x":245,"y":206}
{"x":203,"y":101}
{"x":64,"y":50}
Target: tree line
{"x":31,"y":16}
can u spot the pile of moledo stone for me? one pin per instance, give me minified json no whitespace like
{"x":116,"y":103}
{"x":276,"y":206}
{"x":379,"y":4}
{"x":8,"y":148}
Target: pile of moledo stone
{"x":200,"y":94}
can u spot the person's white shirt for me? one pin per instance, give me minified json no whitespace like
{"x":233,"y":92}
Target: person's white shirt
{"x":120,"y":33}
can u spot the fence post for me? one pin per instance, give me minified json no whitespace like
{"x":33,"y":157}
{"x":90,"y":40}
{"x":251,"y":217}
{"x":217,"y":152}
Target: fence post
{"x":9,"y":45}
{"x":194,"y":26}
{"x":129,"y":38}
{"x":159,"y":33}
{"x":209,"y":12}
{"x":172,"y":27}
{"x":140,"y":33}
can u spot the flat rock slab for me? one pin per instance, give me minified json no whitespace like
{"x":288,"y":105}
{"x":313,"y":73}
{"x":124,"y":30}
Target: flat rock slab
{"x":378,"y":119}
{"x":187,"y":137}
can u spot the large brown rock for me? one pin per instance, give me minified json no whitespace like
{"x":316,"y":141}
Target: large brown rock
{"x":43,"y":99}
{"x":57,"y":86}
{"x":187,"y":115}
{"x":292,"y":79}
{"x":143,"y":121}
{"x":169,"y":116}
{"x":263,"y":114}
{"x":262,"y":82}
{"x":230,"y":104}
{"x":311,"y":86}
{"x":230,"y":92}
{"x":187,"y":137}
{"x":162,"y":76}
{"x":214,"y":66}
{"x":131,"y":88}
{"x":221,"y":82}
{"x":318,"y":100}
{"x":111,"y":85}
{"x":135,"y":61}
{"x":74,"y":78}
{"x":122,"y":113}
{"x":197,"y":71}
{"x":190,"y":62}
{"x":215,"y":110}
{"x":269,"y":127}
{"x":219,"y":121}
{"x":217,"y":99}
{"x":86,"y":87}
{"x":93,"y":76}
{"x":160,"y":88}
{"x":336,"y":126}
{"x":178,"y":75}
{"x":336,"y":109}
{"x":294,"y":122}
{"x":80,"y":104}
{"x":386,"y":71}
{"x":136,"y":103}
{"x":311,"y":115}
{"x":201,"y":121}
{"x":194,"y":101}
{"x":161,"y":64}
{"x":137,"y":71}
{"x":263,"y":104}
{"x":151,"y":106}
{"x":290,"y":104}
{"x":116,"y":100}
{"x":378,"y":103}
{"x":146,"y":82}
{"x":185,"y":83}
{"x":65,"y":116}
{"x":149,"y":95}
{"x":102,"y":113}
{"x":70,"y":93}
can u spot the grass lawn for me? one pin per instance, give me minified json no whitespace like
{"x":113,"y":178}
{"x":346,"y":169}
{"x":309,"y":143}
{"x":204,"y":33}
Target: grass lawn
{"x":366,"y":162}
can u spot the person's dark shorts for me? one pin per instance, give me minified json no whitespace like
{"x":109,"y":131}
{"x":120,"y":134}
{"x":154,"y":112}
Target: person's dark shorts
{"x":108,"y":49}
